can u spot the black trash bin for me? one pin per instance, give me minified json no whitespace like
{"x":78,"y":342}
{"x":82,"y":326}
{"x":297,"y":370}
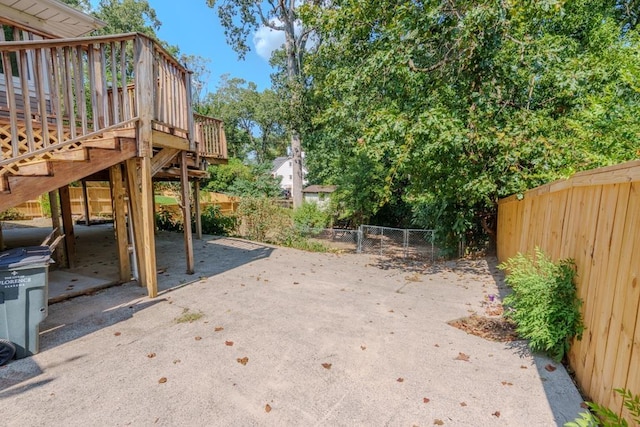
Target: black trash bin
{"x":23,"y":300}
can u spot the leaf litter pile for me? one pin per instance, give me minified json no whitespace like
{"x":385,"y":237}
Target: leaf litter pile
{"x":490,"y":328}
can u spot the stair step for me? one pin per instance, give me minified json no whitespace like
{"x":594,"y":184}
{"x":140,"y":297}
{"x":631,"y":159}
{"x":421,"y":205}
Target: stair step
{"x":41,"y":168}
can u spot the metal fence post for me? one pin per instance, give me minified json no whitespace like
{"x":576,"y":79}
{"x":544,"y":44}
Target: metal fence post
{"x":405,"y":242}
{"x":359,"y":249}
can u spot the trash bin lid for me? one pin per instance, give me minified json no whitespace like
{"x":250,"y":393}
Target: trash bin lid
{"x":22,"y":257}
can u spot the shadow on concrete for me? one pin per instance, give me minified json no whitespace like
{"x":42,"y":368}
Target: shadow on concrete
{"x":94,"y":308}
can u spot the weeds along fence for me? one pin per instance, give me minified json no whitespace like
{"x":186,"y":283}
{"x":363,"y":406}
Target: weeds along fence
{"x":593,"y":218}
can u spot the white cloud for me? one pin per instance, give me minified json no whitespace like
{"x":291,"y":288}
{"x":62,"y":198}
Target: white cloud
{"x":266,"y":41}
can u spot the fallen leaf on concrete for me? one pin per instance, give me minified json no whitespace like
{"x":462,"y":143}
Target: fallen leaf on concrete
{"x":463,"y":403}
{"x":438,"y":422}
{"x":198,"y":338}
{"x":550,"y":367}
{"x":117,"y":334}
{"x":426,"y":400}
{"x":243,"y":361}
{"x":462,"y":356}
{"x":400,"y":380}
{"x":228,"y":343}
{"x":496,"y":414}
{"x":436,"y":345}
{"x":523,"y":367}
{"x":177,"y":361}
{"x":267,"y":408}
{"x":326,"y":365}
{"x":219,"y":328}
{"x":506,"y":383}
{"x":151,"y":355}
{"x":362,"y":347}
{"x":162,"y":380}
{"x":296,"y":283}
{"x":390,"y":311}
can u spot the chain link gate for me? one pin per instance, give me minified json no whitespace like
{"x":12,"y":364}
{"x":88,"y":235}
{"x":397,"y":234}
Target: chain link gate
{"x":396,"y":242}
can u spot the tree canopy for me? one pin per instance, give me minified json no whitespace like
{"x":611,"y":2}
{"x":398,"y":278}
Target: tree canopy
{"x":446,"y":106}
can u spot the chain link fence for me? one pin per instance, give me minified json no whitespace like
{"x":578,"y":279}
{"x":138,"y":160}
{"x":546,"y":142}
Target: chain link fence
{"x":405,"y":243}
{"x":411,"y":244}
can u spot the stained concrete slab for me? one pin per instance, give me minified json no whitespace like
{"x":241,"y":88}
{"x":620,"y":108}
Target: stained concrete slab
{"x":274,"y":336}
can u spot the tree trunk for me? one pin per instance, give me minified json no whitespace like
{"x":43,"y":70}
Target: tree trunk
{"x":296,"y":153}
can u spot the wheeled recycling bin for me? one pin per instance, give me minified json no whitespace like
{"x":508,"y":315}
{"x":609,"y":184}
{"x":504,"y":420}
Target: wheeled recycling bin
{"x":23,"y":299}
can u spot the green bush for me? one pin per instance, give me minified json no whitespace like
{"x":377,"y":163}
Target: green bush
{"x":543,"y":303}
{"x":265,"y":221}
{"x":605,"y":417}
{"x":11,"y":215}
{"x":310,"y":216}
{"x":165,"y":221}
{"x":214,"y":222}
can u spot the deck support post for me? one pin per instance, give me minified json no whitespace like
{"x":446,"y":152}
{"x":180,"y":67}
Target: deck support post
{"x":67,"y":225}
{"x":196,"y":207}
{"x":186,"y":212}
{"x":138,"y":170}
{"x":120,"y":221}
{"x":56,"y":223}
{"x":87,"y":208}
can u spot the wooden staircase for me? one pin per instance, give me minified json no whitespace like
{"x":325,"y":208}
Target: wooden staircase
{"x":27,"y":181}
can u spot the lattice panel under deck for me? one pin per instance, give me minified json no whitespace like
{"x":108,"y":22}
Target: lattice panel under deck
{"x":7,"y":148}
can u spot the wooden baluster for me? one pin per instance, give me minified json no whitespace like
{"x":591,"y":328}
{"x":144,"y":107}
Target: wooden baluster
{"x":11,"y":103}
{"x":93,"y":85}
{"x":69,"y":107}
{"x":23,"y":71}
{"x":102,"y":86}
{"x":115,"y":93}
{"x":41,"y":95}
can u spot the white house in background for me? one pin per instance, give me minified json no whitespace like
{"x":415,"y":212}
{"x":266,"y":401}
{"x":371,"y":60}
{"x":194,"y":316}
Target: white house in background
{"x":319,"y":194}
{"x":283,"y":167}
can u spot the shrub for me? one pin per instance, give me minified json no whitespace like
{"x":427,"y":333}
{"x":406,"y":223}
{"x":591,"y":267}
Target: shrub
{"x":11,"y":215}
{"x":264,"y":221}
{"x":165,"y":221}
{"x":214,"y":222}
{"x":543,"y":303}
{"x":310,"y":216}
{"x":602,"y":416}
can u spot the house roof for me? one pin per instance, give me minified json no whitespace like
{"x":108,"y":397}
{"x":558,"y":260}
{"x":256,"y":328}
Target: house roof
{"x":48,"y":17}
{"x":277,"y":162}
{"x":320,"y":189}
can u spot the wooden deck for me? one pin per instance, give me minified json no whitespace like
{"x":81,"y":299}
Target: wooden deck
{"x":117,"y":105}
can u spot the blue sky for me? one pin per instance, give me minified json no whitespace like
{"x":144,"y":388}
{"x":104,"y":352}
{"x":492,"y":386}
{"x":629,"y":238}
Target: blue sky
{"x":195,"y":29}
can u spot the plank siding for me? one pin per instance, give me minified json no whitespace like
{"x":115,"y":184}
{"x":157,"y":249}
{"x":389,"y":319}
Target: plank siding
{"x":593,"y":218}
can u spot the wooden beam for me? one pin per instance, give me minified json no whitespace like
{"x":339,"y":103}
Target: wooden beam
{"x":140,"y":187}
{"x":120,"y":221}
{"x":161,"y":158}
{"x":162,"y":139}
{"x":67,"y":224}
{"x":59,"y":255}
{"x":196,"y":206}
{"x":186,"y":212}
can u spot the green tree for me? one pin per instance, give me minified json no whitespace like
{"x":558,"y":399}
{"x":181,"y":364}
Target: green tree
{"x":240,"y":18}
{"x":252,"y":119}
{"x":239,"y":179}
{"x":452,"y":105}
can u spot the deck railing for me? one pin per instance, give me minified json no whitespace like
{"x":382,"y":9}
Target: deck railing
{"x":210,"y":137}
{"x":62,"y":93}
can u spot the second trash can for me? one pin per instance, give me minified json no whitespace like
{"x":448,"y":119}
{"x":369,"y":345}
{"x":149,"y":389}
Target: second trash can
{"x":23,"y":299}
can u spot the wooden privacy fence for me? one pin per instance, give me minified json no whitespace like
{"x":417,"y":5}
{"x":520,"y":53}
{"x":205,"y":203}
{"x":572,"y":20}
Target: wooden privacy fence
{"x":100,"y":203}
{"x":593,"y":218}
